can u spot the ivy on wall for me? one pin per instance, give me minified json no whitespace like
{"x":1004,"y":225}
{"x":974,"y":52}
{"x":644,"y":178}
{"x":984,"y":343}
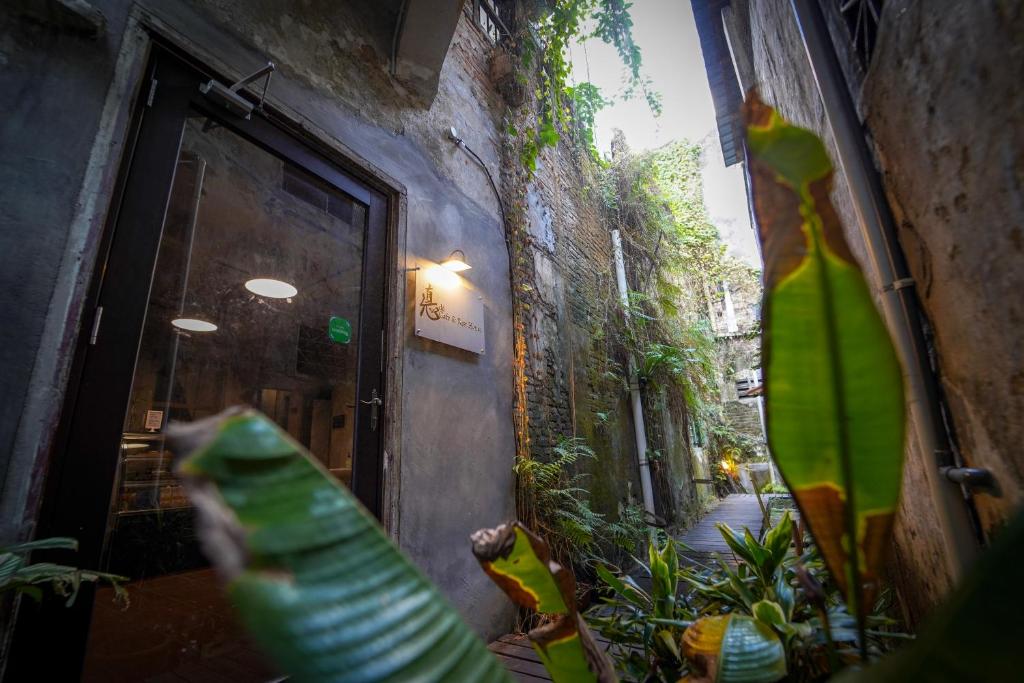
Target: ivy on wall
{"x":674,"y":256}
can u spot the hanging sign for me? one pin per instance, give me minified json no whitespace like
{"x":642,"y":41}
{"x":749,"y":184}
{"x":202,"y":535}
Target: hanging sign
{"x":447,"y":311}
{"x":154,"y":420}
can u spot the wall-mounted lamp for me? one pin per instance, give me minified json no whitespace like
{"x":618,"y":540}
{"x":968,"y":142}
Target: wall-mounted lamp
{"x":456,"y":262}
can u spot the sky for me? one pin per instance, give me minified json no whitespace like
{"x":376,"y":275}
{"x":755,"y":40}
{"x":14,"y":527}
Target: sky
{"x":667,"y":36}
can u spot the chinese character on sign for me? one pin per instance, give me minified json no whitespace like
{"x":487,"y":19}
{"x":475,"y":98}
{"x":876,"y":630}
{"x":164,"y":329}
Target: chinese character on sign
{"x":429,"y":307}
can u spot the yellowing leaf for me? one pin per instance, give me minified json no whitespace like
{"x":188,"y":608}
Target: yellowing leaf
{"x":733,"y":648}
{"x":834,"y":392}
{"x":520,"y":563}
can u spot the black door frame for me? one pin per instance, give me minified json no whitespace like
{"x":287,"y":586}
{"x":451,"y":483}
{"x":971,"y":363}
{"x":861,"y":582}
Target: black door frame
{"x":84,"y":464}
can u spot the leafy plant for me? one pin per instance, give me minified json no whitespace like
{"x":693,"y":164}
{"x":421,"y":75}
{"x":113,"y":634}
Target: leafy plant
{"x":544,"y":42}
{"x":975,"y":634}
{"x":645,"y":627}
{"x":801,"y":625}
{"x":17,"y":575}
{"x":835,"y":397}
{"x":311,"y":574}
{"x":575,"y":532}
{"x":520,"y":564}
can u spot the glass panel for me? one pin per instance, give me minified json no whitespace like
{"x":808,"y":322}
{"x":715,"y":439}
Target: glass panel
{"x":255,"y":300}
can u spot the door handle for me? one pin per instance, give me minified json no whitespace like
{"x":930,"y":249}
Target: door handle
{"x":375,"y":404}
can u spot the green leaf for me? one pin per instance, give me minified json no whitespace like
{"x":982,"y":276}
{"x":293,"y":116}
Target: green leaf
{"x":785,"y":595}
{"x":631,"y":592}
{"x":737,"y":543}
{"x":975,"y":634}
{"x":778,"y":538}
{"x":520,"y":563}
{"x":834,"y":396}
{"x":313,"y":577}
{"x":735,"y":649}
{"x":768,"y":612}
{"x":54,"y":543}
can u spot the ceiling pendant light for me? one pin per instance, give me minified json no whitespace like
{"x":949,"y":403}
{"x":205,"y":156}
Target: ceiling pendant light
{"x":270,"y":288}
{"x":194,"y":325}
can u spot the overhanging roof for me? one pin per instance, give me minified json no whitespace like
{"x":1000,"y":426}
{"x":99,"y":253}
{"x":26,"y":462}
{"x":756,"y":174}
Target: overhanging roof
{"x":725,"y":88}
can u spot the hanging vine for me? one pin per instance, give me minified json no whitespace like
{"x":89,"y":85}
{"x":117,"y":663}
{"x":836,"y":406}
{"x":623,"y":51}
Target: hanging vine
{"x":545,"y":35}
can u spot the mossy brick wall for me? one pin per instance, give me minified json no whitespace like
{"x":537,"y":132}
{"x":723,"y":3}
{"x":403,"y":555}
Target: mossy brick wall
{"x":565,"y":285}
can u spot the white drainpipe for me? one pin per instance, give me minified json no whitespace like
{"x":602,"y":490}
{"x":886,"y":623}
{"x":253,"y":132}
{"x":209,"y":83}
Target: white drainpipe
{"x":634,"y":385}
{"x":730,"y":311}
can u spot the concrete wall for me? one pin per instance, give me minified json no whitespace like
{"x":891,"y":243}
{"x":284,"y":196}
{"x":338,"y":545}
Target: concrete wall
{"x":944,"y":114}
{"x":454,"y":447}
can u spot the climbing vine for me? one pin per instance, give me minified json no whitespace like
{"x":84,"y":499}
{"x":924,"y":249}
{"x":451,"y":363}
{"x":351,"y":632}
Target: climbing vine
{"x":543,"y":41}
{"x":677,"y":259}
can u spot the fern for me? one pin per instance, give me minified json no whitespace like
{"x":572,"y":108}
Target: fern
{"x":577,"y":534}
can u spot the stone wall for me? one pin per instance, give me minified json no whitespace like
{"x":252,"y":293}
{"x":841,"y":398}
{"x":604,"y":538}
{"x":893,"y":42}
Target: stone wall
{"x":575,"y":371}
{"x":944,"y":115}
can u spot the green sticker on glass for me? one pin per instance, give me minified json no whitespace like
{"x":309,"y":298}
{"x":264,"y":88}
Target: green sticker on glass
{"x":339,"y":330}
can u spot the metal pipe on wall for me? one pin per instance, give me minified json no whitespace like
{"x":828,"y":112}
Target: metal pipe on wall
{"x":900,"y":306}
{"x":639,"y":429}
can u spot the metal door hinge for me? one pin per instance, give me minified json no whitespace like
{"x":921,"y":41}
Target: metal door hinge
{"x":152,"y":92}
{"x":374,"y":404}
{"x":96,"y":326}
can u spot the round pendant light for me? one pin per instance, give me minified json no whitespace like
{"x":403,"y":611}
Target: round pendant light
{"x":194,"y":325}
{"x":271,"y":289}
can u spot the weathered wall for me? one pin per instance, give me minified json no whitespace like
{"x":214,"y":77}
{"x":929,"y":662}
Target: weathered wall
{"x":456,"y":440}
{"x":944,"y":105}
{"x":786,"y":81}
{"x":575,"y":365}
{"x":945,"y":114}
{"x":566,"y":286}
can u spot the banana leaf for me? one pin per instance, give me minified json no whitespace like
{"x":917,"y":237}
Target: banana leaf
{"x":733,"y":648}
{"x":311,"y":574}
{"x":975,"y":634}
{"x":834,"y":392}
{"x":520,"y":563}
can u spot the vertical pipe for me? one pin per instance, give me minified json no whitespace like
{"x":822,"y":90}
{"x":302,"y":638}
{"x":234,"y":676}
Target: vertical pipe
{"x":639,"y":429}
{"x":899,"y":302}
{"x":730,"y":311}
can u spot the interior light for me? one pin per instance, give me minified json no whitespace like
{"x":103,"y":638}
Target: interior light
{"x":456,"y":262}
{"x":272,"y":289}
{"x":194,"y":325}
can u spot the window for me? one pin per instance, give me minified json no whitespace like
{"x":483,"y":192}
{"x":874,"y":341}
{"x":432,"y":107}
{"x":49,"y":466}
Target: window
{"x":861,"y":18}
{"x":494,"y":17}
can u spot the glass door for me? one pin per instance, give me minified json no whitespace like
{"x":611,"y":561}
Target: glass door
{"x":260,"y":284}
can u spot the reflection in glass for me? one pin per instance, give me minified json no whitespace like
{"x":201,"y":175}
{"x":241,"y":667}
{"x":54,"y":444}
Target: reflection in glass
{"x":220,"y":331}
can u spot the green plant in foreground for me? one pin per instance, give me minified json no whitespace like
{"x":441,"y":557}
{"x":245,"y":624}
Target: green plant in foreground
{"x":767,"y":616}
{"x":835,"y":396}
{"x":644,"y":627}
{"x":28,"y":579}
{"x":659,"y":636}
{"x":329,"y":597}
{"x":520,"y":564}
{"x":317,"y":582}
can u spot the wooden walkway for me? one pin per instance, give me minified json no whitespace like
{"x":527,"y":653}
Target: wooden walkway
{"x":737,"y":510}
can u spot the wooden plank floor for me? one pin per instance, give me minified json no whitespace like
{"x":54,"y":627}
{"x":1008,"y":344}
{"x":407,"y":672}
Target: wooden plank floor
{"x":737,"y":510}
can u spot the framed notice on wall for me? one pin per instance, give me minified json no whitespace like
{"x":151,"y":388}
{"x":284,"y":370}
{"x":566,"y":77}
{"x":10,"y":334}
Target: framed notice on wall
{"x":447,"y":311}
